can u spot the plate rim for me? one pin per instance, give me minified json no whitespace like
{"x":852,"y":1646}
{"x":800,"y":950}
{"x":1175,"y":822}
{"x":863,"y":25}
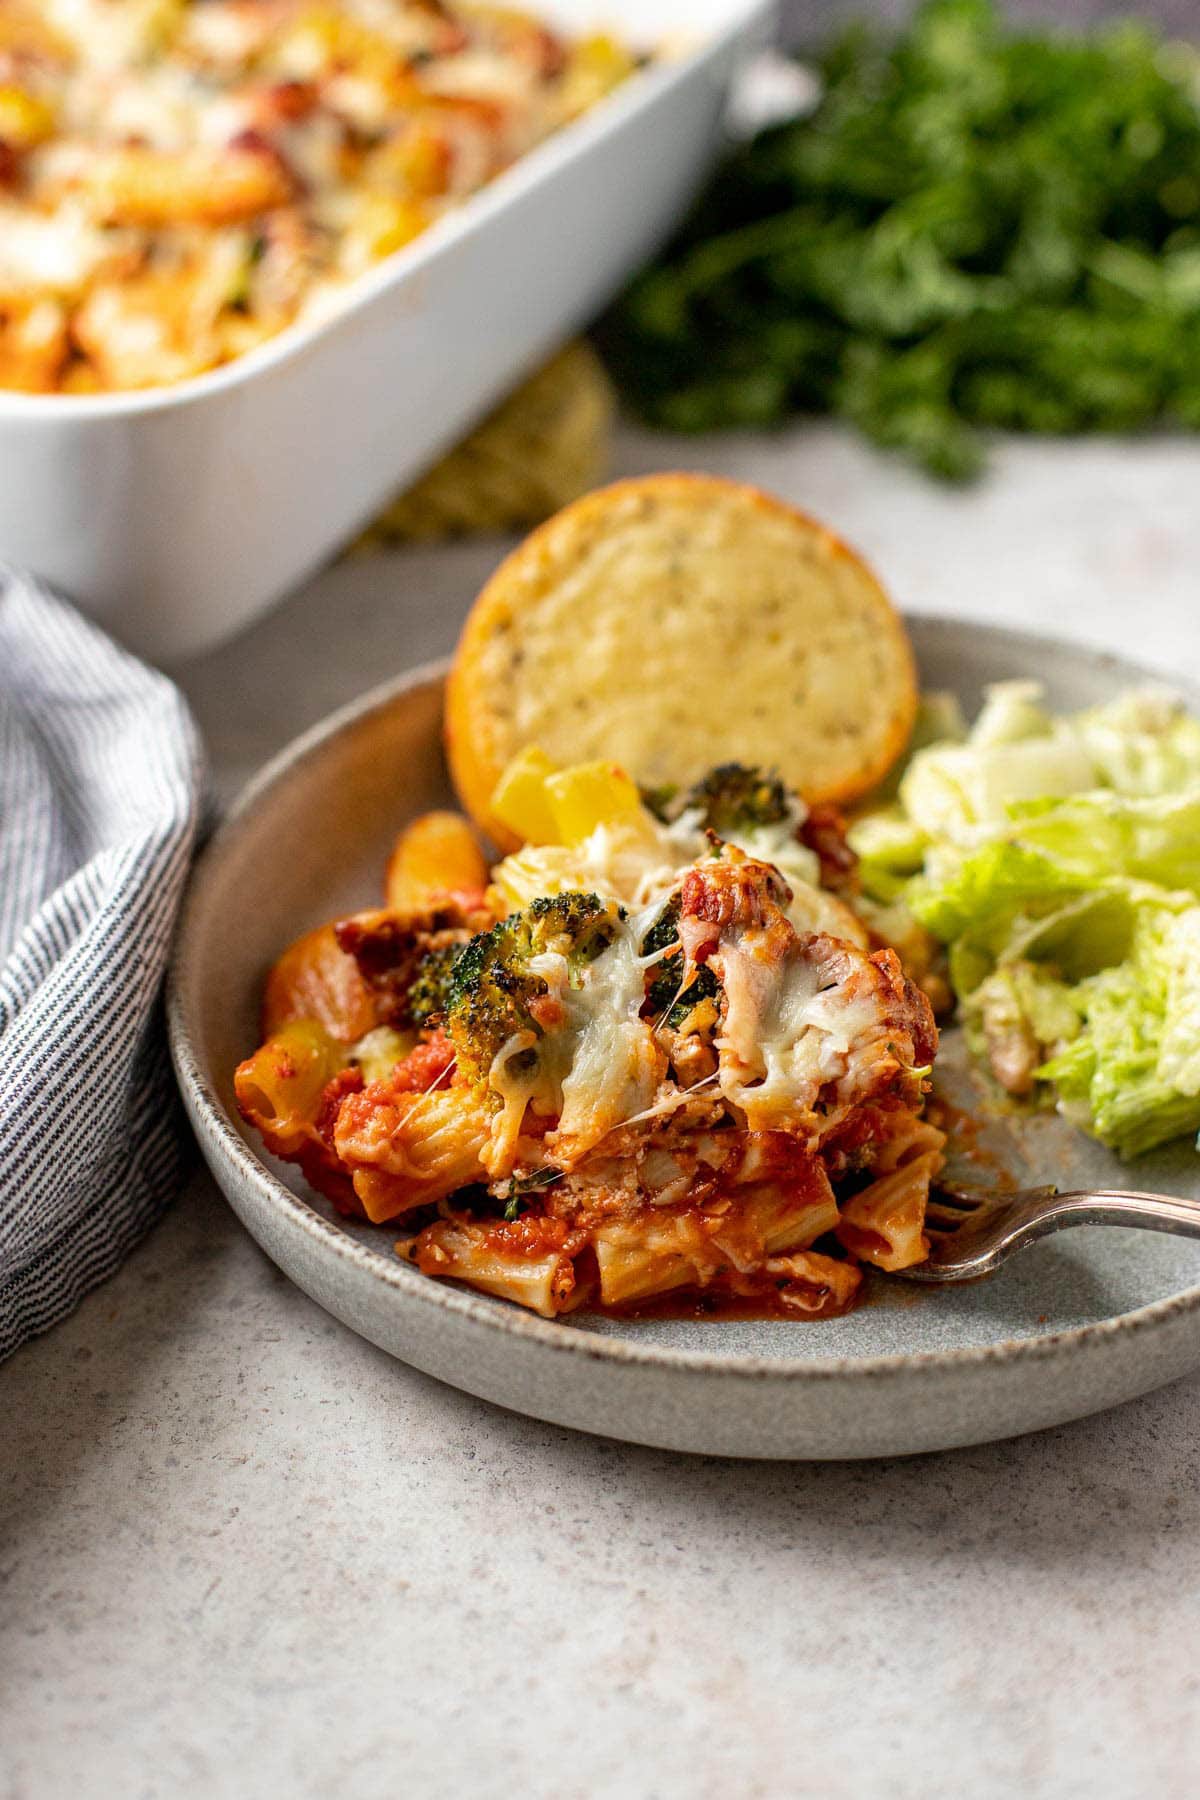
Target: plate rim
{"x":217,"y":1132}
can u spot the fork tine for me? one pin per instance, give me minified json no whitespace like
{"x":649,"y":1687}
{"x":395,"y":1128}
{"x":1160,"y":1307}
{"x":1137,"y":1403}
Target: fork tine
{"x":964,"y":1199}
{"x":947,"y":1218}
{"x":973,"y":1233}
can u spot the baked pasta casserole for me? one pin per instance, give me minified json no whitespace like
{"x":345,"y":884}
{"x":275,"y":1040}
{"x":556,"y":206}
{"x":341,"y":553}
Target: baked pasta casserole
{"x":653,"y":1052}
{"x":181,"y":179}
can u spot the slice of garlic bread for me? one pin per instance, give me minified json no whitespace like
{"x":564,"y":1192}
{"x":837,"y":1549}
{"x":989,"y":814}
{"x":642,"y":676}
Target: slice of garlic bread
{"x":677,"y":621}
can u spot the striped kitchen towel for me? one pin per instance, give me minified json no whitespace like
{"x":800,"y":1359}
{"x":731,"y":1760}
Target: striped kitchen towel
{"x":101,"y":792}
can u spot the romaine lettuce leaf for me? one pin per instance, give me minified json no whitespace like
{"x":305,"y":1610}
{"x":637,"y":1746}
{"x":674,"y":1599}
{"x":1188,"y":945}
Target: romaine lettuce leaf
{"x":983,"y":892}
{"x":1144,"y":742}
{"x":889,"y":847}
{"x":953,"y":792}
{"x":889,"y":844}
{"x":1179,"y":1051}
{"x":1015,"y":750}
{"x":1104,"y":834}
{"x":1011,"y":712}
{"x":1084,"y":934}
{"x":1061,"y":867}
{"x":1121,"y":1076}
{"x":1015,"y":1019}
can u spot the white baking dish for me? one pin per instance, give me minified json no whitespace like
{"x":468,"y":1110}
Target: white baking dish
{"x":175,"y":515}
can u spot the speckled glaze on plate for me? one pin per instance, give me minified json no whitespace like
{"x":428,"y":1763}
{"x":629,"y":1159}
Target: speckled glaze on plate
{"x":1080,"y":1322}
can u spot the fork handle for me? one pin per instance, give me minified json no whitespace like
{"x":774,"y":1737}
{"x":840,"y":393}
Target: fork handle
{"x":1043,"y":1214}
{"x":1113,"y":1206}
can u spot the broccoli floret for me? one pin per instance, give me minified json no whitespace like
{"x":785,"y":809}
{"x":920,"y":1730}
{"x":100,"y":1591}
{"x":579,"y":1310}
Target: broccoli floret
{"x":663,"y":997}
{"x":697,"y":1005}
{"x":578,"y":926}
{"x":660,"y":800}
{"x":732,"y":798}
{"x":665,"y":987}
{"x":665,"y":930}
{"x":428,"y":996}
{"x":490,"y":995}
{"x":493,"y":991}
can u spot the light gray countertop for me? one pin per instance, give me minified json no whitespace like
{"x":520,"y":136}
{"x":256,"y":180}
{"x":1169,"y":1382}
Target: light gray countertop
{"x":244,"y":1553}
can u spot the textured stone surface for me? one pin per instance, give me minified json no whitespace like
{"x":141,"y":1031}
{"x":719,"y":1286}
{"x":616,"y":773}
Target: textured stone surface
{"x":244,"y":1553}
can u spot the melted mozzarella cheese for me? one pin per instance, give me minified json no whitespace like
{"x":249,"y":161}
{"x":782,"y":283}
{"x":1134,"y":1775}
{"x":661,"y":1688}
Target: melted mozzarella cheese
{"x":222,"y":31}
{"x":43,"y":254}
{"x":779,"y":845}
{"x":109,"y":37}
{"x":157,"y":107}
{"x":787,"y":1031}
{"x":478,"y":74}
{"x":516,"y":1079}
{"x":616,"y":1064}
{"x":595,"y":1069}
{"x":620,"y":862}
{"x":642,"y":863}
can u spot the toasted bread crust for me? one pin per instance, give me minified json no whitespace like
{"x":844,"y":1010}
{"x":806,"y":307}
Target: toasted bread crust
{"x":675,"y":621}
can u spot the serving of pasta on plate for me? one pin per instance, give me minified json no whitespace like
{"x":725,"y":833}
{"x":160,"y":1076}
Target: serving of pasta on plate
{"x":656,"y":1056}
{"x":677,"y":1038}
{"x":663,"y":1051}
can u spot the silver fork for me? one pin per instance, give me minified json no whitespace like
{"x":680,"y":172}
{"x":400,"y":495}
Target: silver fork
{"x":974,"y":1230}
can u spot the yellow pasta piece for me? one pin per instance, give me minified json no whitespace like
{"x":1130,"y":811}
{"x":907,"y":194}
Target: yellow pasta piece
{"x":378,"y":1053}
{"x":437,"y":854}
{"x":25,"y":33}
{"x":907,"y":1139}
{"x":380,"y":224}
{"x":238,"y":332}
{"x":777,"y":1220}
{"x":808,"y":1282}
{"x":546,"y":1284}
{"x":885,"y":1222}
{"x":33,"y":345}
{"x":78,"y":378}
{"x":25,"y":120}
{"x":597,"y":65}
{"x":279,"y":1088}
{"x":138,"y":333}
{"x":415,"y":161}
{"x":324,"y":37}
{"x":651,"y":1255}
{"x":139,"y":186}
{"x":407,"y":1150}
{"x":316,"y":979}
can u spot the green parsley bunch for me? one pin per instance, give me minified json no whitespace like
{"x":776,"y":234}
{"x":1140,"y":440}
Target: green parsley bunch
{"x":972,"y":229}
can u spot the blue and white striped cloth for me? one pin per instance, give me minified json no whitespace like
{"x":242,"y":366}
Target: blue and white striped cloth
{"x":101,"y":792}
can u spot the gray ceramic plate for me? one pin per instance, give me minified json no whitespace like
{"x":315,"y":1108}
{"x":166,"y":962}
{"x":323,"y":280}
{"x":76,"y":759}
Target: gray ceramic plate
{"x":1077,"y":1323}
